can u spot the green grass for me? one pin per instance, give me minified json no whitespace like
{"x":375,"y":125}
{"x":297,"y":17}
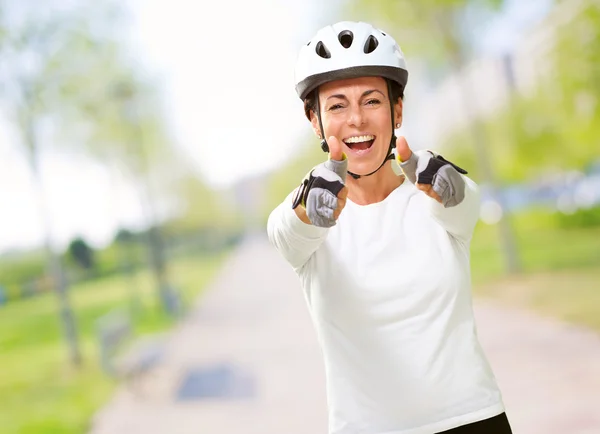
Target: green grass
{"x":40,"y":392}
{"x":543,"y":246}
{"x":570,"y":295}
{"x":560,"y":262}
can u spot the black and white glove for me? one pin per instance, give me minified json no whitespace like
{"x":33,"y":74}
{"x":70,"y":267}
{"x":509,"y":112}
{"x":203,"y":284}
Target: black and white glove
{"x":426,"y":168}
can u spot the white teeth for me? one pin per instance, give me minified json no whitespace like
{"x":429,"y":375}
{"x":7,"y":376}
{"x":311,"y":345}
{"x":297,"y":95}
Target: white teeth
{"x":359,"y":139}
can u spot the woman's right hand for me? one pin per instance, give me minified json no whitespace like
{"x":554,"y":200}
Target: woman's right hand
{"x":322,"y":195}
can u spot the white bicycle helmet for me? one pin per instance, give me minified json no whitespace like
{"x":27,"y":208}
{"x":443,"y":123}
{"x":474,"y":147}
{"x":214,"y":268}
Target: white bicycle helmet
{"x":348,"y":50}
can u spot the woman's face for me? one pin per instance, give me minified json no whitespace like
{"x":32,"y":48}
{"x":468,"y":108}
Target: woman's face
{"x":357,"y":112}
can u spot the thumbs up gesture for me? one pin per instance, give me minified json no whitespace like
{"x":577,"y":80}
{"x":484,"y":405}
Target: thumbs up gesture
{"x":335,"y":150}
{"x":435,"y":176}
{"x":323,"y":192}
{"x":338,"y":163}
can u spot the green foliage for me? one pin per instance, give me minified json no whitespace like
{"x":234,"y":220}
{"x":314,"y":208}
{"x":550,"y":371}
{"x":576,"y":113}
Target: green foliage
{"x":75,"y":87}
{"x":582,"y":218}
{"x":81,"y":253}
{"x":202,"y":207}
{"x":545,"y":244}
{"x":556,"y":127}
{"x":576,"y":59}
{"x":17,"y":270}
{"x":125,"y":236}
{"x":432,"y":30}
{"x":25,"y":275}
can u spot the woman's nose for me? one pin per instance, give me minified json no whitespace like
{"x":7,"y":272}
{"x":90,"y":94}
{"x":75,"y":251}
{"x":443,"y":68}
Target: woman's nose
{"x":356,"y":116}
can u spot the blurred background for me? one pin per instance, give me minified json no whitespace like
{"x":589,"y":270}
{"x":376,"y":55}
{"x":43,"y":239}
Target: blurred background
{"x":142,"y":141}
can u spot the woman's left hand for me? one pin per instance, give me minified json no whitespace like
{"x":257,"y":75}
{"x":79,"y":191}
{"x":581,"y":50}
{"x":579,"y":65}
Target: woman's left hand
{"x":404,"y":153}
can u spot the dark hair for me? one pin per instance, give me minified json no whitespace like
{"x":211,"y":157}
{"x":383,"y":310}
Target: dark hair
{"x":310,"y":102}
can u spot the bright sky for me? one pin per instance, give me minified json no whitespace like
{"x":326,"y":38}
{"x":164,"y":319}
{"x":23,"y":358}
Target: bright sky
{"x":229,"y":68}
{"x":228,"y":74}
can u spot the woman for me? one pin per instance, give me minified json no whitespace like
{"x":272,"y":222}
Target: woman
{"x":384,"y":263}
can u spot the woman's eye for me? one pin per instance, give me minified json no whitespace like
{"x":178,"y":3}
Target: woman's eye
{"x":335,"y":107}
{"x":373,"y":102}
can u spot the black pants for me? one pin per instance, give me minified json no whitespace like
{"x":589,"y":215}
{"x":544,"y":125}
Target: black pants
{"x":495,"y":425}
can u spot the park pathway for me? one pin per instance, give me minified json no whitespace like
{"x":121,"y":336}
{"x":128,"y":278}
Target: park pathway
{"x":246,"y":361}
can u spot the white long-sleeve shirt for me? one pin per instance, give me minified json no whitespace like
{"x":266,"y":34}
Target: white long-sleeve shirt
{"x":388,"y":289}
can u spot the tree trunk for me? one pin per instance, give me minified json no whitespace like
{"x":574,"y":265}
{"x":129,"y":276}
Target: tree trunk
{"x":54,"y":265}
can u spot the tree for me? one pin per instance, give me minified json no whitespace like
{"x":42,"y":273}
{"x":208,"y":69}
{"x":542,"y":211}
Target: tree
{"x":53,"y":65}
{"x":127,"y":131}
{"x":125,"y":236}
{"x":143,"y":139}
{"x":82,"y":253}
{"x":575,"y":60}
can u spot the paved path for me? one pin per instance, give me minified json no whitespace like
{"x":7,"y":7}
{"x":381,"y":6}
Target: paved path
{"x":252,"y":329}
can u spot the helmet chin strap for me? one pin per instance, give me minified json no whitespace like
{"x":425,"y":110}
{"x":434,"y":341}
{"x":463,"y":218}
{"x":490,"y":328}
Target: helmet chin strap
{"x":390,"y":154}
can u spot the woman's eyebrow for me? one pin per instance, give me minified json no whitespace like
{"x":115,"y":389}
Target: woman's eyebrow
{"x":365,"y":93}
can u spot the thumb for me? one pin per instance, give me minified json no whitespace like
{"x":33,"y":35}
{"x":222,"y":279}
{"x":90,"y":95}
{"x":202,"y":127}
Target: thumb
{"x":407,"y":159}
{"x":335,"y":149}
{"x":403,"y":149}
{"x":338,"y":162}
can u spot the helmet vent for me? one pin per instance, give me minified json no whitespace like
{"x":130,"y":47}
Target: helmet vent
{"x":371,"y":44}
{"x":322,"y":50}
{"x":346,"y":37}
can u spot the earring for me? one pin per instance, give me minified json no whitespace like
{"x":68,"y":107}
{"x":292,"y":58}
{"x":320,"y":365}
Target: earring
{"x":398,"y":125}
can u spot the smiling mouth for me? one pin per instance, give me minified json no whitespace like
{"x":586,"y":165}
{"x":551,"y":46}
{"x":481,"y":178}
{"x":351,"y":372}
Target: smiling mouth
{"x":361,"y":143}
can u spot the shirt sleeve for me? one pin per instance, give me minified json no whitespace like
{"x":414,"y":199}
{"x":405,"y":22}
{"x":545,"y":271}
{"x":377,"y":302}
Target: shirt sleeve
{"x":295,"y":240}
{"x":459,"y":220}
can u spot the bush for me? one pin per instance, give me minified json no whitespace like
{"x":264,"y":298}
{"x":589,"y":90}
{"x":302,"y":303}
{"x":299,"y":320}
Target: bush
{"x":582,"y":218}
{"x":22,"y":268}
